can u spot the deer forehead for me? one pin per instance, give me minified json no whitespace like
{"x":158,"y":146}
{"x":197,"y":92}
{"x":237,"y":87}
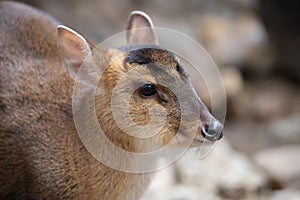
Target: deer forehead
{"x":152,"y":57}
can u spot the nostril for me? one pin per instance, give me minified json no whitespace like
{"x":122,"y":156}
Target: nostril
{"x":212,"y":132}
{"x":204,"y":130}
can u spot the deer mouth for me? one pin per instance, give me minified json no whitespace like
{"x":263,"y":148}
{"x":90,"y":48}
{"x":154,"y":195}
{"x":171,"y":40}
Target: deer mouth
{"x":197,"y":142}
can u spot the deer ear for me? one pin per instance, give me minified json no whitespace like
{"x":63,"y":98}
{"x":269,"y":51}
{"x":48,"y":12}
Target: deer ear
{"x":140,"y":29}
{"x":72,"y":48}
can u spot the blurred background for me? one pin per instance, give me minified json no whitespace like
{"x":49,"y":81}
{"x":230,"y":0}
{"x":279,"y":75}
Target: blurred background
{"x":256,"y":45}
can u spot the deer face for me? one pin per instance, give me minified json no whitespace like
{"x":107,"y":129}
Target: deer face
{"x":146,"y":91}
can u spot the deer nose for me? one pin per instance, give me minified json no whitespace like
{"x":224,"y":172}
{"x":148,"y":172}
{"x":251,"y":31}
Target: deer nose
{"x":213,"y":131}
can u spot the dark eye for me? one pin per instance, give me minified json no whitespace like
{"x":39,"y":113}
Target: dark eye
{"x":148,"y":90}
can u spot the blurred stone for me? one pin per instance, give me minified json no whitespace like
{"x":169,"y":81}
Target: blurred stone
{"x":281,"y":163}
{"x":267,"y":104}
{"x":233,"y":81}
{"x":224,"y":171}
{"x":224,"y":174}
{"x":266,"y":100}
{"x":180,"y":192}
{"x":238,"y":39}
{"x":286,"y":130}
{"x":287,"y":194}
{"x":248,"y":136}
{"x":238,"y":193}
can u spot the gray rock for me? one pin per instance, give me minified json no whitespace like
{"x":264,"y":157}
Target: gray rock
{"x":286,"y":194}
{"x":281,"y":163}
{"x":286,"y":130}
{"x":225,"y":170}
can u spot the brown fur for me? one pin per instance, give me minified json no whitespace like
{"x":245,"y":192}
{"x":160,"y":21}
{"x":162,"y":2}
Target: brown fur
{"x":41,"y":155}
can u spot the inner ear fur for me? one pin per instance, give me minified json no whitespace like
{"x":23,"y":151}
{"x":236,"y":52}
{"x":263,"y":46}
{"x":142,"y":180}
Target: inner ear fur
{"x":140,"y":29}
{"x":72,"y":48}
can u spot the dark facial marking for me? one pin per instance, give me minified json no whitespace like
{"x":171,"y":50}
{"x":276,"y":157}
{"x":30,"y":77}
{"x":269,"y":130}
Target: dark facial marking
{"x":146,"y":56}
{"x":181,"y":70}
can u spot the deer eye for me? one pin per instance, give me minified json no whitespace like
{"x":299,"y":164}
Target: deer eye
{"x":148,"y":90}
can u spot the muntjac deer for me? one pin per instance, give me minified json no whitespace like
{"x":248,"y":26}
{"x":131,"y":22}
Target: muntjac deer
{"x":41,"y":154}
